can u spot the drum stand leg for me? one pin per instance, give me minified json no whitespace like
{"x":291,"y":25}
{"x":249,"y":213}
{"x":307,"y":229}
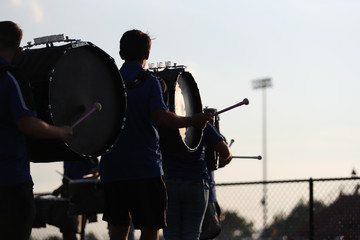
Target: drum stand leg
{"x":83,"y":222}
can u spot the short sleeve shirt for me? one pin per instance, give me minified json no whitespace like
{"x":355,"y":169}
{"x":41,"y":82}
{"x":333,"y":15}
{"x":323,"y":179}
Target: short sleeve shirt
{"x":136,"y":154}
{"x":191,"y":165}
{"x":14,"y":161}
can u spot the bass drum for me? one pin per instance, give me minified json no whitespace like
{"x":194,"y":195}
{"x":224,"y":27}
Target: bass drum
{"x":66,"y":81}
{"x":182,"y":97}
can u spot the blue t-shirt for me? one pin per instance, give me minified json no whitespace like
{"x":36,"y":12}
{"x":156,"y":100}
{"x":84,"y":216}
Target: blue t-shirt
{"x":14,"y":161}
{"x":136,"y":154}
{"x":191,"y":165}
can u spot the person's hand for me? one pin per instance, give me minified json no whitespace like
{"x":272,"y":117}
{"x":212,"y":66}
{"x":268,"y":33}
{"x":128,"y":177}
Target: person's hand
{"x":223,"y":162}
{"x":65,"y":132}
{"x":200,"y":120}
{"x":57,"y":191}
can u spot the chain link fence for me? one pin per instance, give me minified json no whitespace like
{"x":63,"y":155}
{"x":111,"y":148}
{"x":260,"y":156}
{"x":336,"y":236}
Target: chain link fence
{"x":294,"y":209}
{"x":313,"y":209}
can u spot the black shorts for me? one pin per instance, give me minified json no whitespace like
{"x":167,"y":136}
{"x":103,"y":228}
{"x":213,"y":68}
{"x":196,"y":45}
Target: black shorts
{"x":142,"y":201}
{"x":17,"y":211}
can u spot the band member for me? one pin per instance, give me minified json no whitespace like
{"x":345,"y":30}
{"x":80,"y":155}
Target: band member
{"x":186,"y":182}
{"x":132,"y":173}
{"x":17,"y":209}
{"x":75,"y":170}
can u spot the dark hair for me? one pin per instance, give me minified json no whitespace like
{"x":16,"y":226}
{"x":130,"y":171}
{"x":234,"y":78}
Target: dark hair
{"x":10,"y":35}
{"x":134,"y":45}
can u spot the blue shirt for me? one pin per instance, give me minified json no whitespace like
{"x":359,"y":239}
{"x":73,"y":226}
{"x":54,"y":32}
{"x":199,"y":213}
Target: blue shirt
{"x":14,"y":161}
{"x":136,"y":154}
{"x":191,"y":165}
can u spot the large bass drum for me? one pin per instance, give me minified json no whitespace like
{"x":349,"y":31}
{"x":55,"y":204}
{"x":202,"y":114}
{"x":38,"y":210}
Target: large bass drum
{"x":182,"y":97}
{"x":66,"y":81}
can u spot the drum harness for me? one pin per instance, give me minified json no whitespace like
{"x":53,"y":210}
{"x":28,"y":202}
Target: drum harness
{"x":141,"y":77}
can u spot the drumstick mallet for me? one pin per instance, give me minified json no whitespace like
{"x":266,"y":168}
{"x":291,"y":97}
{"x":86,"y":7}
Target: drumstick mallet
{"x":249,"y":157}
{"x":96,"y":108}
{"x":243,"y":102}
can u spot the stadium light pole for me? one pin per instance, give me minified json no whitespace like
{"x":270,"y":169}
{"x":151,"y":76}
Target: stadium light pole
{"x":263,"y":84}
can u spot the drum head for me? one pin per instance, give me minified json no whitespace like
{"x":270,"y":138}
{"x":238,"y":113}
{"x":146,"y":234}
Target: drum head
{"x":84,"y":76}
{"x":187,"y":103}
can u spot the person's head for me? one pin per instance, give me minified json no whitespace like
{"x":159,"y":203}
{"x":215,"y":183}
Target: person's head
{"x":135,"y":46}
{"x":10,"y":38}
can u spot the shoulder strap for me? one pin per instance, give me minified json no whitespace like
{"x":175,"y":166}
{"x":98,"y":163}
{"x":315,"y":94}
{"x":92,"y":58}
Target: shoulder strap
{"x":141,"y":77}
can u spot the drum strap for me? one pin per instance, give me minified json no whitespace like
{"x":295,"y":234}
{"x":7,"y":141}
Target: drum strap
{"x":141,"y":77}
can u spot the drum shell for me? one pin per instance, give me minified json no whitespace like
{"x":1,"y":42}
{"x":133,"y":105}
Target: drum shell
{"x":177,"y":83}
{"x":90,"y":71}
{"x":211,"y":155}
{"x":86,"y":196}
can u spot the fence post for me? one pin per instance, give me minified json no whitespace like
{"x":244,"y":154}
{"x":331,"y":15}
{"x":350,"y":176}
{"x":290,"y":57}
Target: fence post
{"x":311,"y":209}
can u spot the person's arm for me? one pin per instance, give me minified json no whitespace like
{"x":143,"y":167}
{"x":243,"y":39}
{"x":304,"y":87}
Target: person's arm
{"x":37,"y":128}
{"x":169,"y":119}
{"x":225,"y":155}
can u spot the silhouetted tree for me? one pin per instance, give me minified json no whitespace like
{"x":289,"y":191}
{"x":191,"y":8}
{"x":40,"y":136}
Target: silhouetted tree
{"x":287,"y":225}
{"x":235,"y":227}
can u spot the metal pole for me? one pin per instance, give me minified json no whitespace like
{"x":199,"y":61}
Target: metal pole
{"x":264,"y":160}
{"x":311,"y":209}
{"x":264,"y":83}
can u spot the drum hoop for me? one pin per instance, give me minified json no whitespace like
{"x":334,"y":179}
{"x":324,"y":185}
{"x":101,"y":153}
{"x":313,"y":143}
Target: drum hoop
{"x":196,"y":91}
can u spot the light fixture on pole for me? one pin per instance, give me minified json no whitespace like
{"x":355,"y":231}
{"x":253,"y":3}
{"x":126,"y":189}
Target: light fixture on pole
{"x":263,"y":84}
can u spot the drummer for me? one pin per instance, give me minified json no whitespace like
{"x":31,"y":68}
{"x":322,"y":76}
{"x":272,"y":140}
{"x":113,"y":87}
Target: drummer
{"x":186,"y":177}
{"x":133,"y":168}
{"x":17,"y":208}
{"x":87,"y":168}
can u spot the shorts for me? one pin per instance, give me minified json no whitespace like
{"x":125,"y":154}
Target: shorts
{"x":17,"y":211}
{"x":142,"y":201}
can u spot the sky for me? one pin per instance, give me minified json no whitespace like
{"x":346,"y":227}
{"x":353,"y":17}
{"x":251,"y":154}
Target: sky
{"x":308,"y":48}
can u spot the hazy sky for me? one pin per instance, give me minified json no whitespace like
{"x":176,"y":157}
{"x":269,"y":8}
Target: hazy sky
{"x":309,"y":48}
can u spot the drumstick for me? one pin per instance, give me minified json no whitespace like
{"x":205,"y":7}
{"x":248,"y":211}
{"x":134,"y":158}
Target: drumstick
{"x":250,"y":157}
{"x":243,"y":102}
{"x":67,"y":178}
{"x":97,"y":107}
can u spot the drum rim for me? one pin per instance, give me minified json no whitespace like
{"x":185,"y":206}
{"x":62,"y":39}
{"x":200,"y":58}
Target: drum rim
{"x":198,"y":96}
